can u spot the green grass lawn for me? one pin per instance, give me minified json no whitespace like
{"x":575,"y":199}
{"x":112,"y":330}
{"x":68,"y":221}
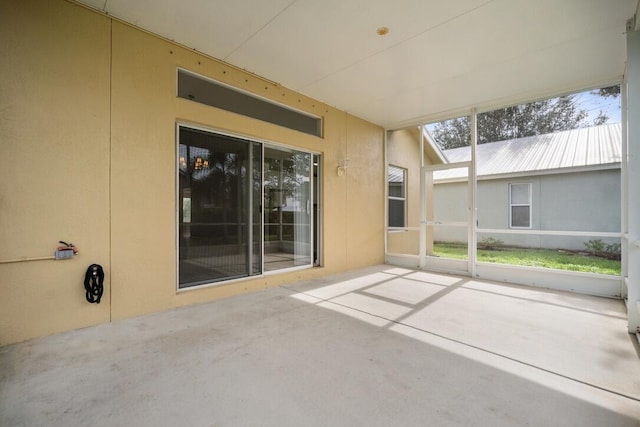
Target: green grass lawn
{"x":545,"y":258}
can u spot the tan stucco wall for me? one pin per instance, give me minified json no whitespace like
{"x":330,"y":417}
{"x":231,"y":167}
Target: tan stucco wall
{"x":54,"y":164}
{"x":89,"y":110}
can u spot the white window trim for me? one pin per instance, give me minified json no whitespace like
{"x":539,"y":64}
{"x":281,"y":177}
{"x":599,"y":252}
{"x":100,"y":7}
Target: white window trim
{"x":405,"y":173}
{"x":529,"y":205}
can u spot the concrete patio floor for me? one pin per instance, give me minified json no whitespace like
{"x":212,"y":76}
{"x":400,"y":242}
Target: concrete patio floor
{"x":378,"y":347}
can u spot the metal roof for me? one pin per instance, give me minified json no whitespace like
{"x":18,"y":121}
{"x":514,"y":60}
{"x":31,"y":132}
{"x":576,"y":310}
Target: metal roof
{"x":565,"y":151}
{"x":395,"y":174}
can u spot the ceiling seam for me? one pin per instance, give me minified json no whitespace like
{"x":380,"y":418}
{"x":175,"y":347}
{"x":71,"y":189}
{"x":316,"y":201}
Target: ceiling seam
{"x":259,"y":30}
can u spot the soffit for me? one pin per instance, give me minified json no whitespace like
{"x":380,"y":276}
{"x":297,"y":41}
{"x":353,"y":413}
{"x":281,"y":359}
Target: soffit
{"x":439,"y":57}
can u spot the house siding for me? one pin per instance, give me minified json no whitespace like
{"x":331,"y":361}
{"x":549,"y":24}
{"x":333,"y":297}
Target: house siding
{"x":579,"y":201}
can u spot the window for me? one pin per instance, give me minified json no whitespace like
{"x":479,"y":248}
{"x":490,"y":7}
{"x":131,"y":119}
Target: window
{"x":397,"y":179}
{"x":209,"y":92}
{"x":244,"y":207}
{"x":520,"y":205}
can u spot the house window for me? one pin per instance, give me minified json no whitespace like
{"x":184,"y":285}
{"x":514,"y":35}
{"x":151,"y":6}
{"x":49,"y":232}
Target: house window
{"x":397,"y":181}
{"x":244,"y":207}
{"x":520,"y":205}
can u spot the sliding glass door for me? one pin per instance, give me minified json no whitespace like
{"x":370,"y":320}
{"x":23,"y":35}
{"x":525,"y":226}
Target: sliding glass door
{"x":244,"y":207}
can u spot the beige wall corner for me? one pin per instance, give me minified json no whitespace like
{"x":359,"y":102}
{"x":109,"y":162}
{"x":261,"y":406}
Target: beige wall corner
{"x":365,"y":194}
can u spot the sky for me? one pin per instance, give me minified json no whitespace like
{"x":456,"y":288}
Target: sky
{"x":593,"y":104}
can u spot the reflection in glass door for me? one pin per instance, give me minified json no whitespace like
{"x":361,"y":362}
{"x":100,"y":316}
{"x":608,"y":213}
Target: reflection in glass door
{"x":287,"y":209}
{"x":219,"y":183}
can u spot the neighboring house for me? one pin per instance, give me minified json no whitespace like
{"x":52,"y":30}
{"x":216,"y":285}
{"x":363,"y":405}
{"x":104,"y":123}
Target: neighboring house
{"x":565,"y":181}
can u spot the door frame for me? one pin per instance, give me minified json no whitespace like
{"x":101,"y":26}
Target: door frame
{"x":427,"y":223}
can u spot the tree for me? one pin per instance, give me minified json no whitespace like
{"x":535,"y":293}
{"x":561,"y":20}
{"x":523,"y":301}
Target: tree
{"x":452,"y":133}
{"x":606,"y":92}
{"x":535,"y":118}
{"x":601,"y":119}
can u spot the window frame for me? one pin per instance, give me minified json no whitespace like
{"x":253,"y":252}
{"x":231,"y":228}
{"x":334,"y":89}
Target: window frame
{"x":528,"y":205}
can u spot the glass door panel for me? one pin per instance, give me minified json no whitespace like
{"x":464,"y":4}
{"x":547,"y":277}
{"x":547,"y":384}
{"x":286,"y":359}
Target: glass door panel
{"x":216,"y":174}
{"x":287,"y":209}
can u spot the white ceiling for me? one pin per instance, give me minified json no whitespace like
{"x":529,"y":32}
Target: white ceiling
{"x":439,"y":57}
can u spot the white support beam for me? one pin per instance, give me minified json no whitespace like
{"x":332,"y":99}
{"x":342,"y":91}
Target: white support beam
{"x":423,"y":205}
{"x":422,"y":245}
{"x":631,"y":95}
{"x":385,"y":152}
{"x":472,"y":236}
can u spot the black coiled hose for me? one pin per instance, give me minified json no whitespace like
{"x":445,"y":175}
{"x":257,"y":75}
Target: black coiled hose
{"x":93,"y":283}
